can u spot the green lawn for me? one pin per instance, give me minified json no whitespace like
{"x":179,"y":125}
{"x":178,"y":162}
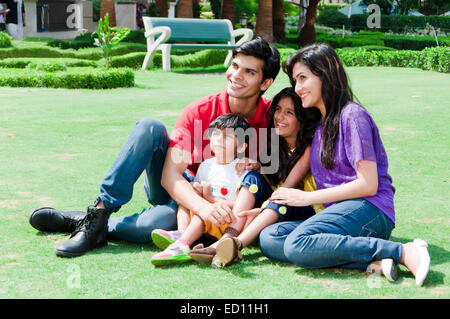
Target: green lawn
{"x":56,"y":145}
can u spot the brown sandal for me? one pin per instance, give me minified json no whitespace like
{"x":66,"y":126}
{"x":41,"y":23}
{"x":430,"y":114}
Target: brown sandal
{"x":202,"y":254}
{"x":227,"y":251}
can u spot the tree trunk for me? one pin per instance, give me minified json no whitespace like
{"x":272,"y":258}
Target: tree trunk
{"x":278,"y":20}
{"x":228,"y":11}
{"x":264,"y":25}
{"x":184,"y":9}
{"x":308,"y":33}
{"x":107,"y":7}
{"x":162,"y":8}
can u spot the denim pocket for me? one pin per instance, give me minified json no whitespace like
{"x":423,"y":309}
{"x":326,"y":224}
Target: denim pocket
{"x":374,"y":228}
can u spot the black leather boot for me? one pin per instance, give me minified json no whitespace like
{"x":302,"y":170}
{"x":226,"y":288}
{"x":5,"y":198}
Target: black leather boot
{"x":91,"y":232}
{"x":49,"y":219}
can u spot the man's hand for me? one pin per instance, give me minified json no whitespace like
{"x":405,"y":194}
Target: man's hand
{"x":217,"y":213}
{"x":247,"y":164}
{"x":198,"y":188}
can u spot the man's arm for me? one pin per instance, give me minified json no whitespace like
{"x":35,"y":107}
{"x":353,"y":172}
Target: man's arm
{"x":184,"y":194}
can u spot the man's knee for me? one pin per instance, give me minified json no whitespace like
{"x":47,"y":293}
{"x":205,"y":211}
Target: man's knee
{"x":148,"y":130}
{"x":150,"y":125}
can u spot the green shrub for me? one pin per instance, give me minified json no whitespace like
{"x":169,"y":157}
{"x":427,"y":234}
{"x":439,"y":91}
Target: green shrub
{"x":332,"y":18}
{"x":431,"y":59}
{"x":5,"y":40}
{"x":72,"y":79}
{"x":66,"y":44}
{"x":133,"y":60}
{"x":400,"y":23}
{"x":20,"y":63}
{"x":48,"y":66}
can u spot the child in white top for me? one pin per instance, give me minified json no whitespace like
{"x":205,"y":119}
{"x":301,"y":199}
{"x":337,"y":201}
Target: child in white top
{"x":216,"y":180}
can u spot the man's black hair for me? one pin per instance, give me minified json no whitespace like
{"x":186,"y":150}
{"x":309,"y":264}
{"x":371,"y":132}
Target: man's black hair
{"x":232,"y":121}
{"x":261,"y":49}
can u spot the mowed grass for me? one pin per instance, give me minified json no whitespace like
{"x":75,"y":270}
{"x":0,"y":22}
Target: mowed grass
{"x":56,"y":145}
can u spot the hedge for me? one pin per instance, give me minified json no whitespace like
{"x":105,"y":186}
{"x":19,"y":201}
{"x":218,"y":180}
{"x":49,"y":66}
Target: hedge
{"x":400,"y":23}
{"x":84,"y":53}
{"x":202,"y":58}
{"x":20,"y":63}
{"x":77,"y":78}
{"x":431,"y":59}
{"x":5,"y":40}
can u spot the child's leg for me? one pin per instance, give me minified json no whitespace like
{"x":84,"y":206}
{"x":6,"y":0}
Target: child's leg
{"x":178,"y":252}
{"x":253,"y":192}
{"x":265,"y":218}
{"x":194,"y":231}
{"x":183,"y":217}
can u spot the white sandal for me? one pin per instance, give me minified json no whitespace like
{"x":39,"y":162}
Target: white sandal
{"x":424,"y":265}
{"x":390,"y":270}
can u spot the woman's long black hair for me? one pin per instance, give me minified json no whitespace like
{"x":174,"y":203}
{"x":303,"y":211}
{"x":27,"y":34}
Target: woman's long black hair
{"x":324,"y":62}
{"x":307,"y":118}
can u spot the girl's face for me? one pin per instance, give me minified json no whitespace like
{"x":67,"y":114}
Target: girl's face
{"x":308,"y":86}
{"x":284,"y":119}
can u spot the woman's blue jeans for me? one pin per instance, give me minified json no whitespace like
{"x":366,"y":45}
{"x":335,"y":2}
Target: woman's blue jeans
{"x":144,"y":150}
{"x":349,"y":234}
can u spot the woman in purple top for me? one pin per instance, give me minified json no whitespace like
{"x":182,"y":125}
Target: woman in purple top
{"x":350,"y":166}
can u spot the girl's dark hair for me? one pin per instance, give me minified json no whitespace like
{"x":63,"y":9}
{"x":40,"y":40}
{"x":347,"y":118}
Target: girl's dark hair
{"x":307,"y":118}
{"x":323,"y":61}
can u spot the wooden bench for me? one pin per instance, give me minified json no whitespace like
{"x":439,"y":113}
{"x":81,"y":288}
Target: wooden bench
{"x":166,"y":33}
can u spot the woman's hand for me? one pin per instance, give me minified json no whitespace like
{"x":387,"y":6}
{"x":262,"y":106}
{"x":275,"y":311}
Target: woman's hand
{"x":291,"y":197}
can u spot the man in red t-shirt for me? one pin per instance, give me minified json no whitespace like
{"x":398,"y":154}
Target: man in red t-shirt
{"x":169,"y":164}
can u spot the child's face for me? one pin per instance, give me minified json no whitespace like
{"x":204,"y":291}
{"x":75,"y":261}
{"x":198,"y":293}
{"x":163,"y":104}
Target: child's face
{"x":284,"y":119}
{"x":224,"y":144}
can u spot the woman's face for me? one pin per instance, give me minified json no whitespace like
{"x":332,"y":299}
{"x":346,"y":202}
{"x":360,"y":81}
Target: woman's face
{"x":284,"y":119}
{"x":308,"y":86}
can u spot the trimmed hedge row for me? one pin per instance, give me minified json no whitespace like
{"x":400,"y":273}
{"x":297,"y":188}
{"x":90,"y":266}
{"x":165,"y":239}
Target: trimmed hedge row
{"x":39,"y":51}
{"x":21,"y":63}
{"x":400,"y":23}
{"x":431,"y":59}
{"x":88,"y":78}
{"x":394,"y":23}
{"x":398,"y":42}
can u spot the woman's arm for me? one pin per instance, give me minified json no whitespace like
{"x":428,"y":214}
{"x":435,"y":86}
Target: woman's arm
{"x":365,"y":185}
{"x":299,"y":170}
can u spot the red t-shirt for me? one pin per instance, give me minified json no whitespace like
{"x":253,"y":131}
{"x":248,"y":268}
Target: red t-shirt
{"x":190,"y":131}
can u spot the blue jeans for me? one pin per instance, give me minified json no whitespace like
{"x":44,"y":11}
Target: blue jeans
{"x":349,"y":234}
{"x":144,"y":150}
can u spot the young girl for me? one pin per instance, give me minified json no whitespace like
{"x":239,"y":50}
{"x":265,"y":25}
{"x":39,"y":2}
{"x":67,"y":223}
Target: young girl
{"x":295,"y":125}
{"x":350,"y":166}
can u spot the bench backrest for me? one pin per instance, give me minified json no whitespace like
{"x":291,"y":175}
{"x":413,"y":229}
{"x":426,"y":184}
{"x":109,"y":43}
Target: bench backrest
{"x":198,"y":30}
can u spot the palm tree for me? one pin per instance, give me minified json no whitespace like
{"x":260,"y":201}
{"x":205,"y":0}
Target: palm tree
{"x":278,"y":20}
{"x":185,"y":9}
{"x":228,"y":10}
{"x":107,"y":7}
{"x":264,"y":24}
{"x":162,"y":7}
{"x":308,"y":33}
